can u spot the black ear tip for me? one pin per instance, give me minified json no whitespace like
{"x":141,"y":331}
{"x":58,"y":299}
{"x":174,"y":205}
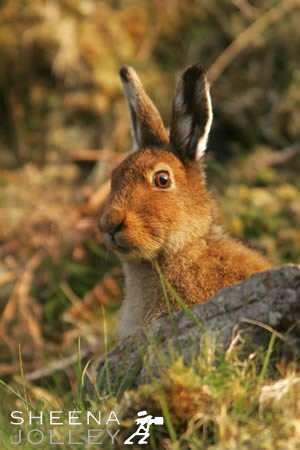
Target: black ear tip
{"x":194,"y":72}
{"x":124,"y":73}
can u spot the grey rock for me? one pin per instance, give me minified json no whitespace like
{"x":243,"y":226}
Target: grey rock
{"x":269,"y":300}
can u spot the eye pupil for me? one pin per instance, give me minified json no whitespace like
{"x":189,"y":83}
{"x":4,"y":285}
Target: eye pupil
{"x":162,"y":179}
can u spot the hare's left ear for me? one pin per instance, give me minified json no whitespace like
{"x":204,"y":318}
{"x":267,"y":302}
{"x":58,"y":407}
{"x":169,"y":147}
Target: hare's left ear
{"x":191,"y":114}
{"x":146,"y":124}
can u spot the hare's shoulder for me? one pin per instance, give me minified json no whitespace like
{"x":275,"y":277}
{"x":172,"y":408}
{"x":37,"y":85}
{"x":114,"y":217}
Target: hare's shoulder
{"x":237,"y":257}
{"x":203,"y":268}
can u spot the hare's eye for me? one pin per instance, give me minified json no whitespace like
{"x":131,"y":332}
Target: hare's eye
{"x":162,"y":179}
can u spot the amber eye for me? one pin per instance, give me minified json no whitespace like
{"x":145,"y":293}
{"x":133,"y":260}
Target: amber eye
{"x":162,"y":179}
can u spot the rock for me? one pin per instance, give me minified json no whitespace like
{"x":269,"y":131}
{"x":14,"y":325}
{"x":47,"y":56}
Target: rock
{"x":264,"y":302}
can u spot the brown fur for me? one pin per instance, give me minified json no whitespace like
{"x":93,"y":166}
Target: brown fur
{"x":175,"y":227}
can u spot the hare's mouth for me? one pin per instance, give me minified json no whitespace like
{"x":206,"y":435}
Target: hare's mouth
{"x":127,"y":251}
{"x":123,"y":249}
{"x":118,"y":244}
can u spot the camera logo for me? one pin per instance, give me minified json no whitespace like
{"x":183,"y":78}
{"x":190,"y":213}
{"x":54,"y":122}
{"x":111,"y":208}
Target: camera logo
{"x":144,"y":421}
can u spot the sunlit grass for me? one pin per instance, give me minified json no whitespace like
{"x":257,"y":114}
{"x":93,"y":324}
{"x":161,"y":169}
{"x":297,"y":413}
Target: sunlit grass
{"x":220,"y":400}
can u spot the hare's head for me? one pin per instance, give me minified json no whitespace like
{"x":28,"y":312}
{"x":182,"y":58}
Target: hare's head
{"x":158,"y":200}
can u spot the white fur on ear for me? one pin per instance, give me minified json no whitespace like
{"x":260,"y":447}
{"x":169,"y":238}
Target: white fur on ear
{"x":202,"y":143}
{"x":192,"y":114}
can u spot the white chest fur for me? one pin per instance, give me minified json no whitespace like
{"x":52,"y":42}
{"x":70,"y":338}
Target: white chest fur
{"x":142,"y":297}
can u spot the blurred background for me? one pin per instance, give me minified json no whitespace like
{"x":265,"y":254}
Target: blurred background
{"x":64,"y":125}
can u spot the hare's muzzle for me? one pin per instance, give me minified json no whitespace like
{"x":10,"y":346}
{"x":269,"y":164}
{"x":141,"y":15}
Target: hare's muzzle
{"x":113,"y":227}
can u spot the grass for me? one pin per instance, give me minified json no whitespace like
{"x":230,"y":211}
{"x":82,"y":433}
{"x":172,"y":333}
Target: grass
{"x":231,"y":399}
{"x":222,"y":400}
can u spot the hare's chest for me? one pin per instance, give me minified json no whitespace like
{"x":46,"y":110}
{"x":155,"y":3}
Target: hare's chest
{"x":143,"y":294}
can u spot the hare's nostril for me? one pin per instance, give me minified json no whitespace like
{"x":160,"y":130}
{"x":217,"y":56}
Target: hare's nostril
{"x":119,"y":227}
{"x":113,"y":228}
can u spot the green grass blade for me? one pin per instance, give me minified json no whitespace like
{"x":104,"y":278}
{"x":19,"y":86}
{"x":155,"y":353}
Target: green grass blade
{"x":267,"y":359}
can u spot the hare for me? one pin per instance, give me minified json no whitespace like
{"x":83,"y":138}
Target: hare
{"x":159,"y":208}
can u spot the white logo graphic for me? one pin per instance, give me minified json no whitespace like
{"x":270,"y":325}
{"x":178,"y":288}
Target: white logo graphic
{"x":144,"y":422}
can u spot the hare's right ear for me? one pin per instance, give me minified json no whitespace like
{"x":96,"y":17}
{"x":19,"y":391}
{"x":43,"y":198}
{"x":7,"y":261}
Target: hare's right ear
{"x":146,"y":124}
{"x":191,"y":114}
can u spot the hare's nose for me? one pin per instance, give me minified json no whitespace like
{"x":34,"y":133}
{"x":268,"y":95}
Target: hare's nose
{"x":116,"y":228}
{"x":113,"y":227}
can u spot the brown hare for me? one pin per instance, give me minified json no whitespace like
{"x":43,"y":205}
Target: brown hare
{"x":159,"y":208}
